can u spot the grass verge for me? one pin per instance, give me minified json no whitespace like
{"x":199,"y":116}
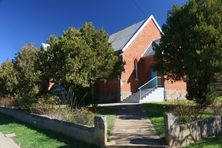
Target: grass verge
{"x":212,"y":142}
{"x":28,"y":136}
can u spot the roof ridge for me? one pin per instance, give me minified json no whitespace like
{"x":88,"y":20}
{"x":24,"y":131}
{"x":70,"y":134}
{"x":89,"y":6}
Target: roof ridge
{"x":122,"y":38}
{"x":129,"y":26}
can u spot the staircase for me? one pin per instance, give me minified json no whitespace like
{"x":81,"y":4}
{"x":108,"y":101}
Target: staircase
{"x":134,"y":98}
{"x":152,"y":91}
{"x":156,"y":95}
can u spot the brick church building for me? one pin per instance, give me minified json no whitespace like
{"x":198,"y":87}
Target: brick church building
{"x":139,"y":82}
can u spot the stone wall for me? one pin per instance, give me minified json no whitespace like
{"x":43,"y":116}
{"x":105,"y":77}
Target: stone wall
{"x":95,"y":135}
{"x":175,"y":90}
{"x":178,"y":135}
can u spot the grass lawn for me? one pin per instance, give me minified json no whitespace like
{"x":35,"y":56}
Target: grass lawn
{"x":28,"y":136}
{"x":110,"y":122}
{"x":213,"y":142}
{"x":155,"y":112}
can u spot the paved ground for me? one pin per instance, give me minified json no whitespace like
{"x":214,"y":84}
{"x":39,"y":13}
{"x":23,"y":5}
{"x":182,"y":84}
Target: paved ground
{"x":7,"y":142}
{"x":133,"y":128}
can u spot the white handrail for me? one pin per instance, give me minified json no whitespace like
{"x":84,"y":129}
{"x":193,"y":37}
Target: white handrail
{"x":140,"y":92}
{"x":148,"y":82}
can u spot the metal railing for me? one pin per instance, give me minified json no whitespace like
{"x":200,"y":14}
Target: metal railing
{"x":150,"y":86}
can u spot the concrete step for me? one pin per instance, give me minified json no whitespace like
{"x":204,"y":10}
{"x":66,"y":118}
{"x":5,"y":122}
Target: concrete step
{"x":135,"y":97}
{"x":130,"y":101}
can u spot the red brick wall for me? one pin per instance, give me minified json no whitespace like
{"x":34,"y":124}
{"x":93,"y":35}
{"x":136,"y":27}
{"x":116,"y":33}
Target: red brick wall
{"x":149,"y":33}
{"x":145,"y":66}
{"x":178,"y":85}
{"x":111,"y":90}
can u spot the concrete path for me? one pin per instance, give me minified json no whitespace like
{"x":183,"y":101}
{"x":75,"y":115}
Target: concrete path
{"x":133,"y":128}
{"x":7,"y":142}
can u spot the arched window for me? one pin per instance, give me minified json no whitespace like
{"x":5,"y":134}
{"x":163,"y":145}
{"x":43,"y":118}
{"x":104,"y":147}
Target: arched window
{"x":136,"y":69}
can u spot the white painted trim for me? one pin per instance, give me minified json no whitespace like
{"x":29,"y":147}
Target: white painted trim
{"x":140,"y":29}
{"x":155,"y":22}
{"x":146,"y":49}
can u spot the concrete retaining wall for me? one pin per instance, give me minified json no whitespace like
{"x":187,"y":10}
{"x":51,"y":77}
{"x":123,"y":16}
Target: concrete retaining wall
{"x":95,"y":135}
{"x":178,"y":135}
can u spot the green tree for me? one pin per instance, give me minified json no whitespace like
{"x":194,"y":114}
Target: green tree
{"x":27,"y":76}
{"x":8,"y":79}
{"x":104,"y":62}
{"x":191,"y":46}
{"x":80,"y":56}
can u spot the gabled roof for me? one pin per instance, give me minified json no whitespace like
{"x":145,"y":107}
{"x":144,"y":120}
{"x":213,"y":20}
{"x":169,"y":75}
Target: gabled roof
{"x":150,"y":51}
{"x":121,"y":39}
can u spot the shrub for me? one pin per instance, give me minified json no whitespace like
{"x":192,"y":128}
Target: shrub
{"x":216,"y":108}
{"x":24,"y":103}
{"x":7,"y":101}
{"x":8,"y":79}
{"x":189,"y":112}
{"x":82,"y":115}
{"x":77,"y":115}
{"x":44,"y":103}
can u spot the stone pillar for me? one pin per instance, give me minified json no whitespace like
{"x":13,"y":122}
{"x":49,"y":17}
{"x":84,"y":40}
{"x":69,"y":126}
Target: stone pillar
{"x":101,"y":130}
{"x":169,"y":120}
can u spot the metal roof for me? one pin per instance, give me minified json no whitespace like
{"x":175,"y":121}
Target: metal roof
{"x":122,"y":37}
{"x":150,"y":51}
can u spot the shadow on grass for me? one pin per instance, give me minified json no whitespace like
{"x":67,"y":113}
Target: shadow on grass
{"x":212,"y":142}
{"x":68,"y":142}
{"x":106,"y":110}
{"x":139,"y":112}
{"x":157,"y":109}
{"x":155,"y":112}
{"x":123,"y":111}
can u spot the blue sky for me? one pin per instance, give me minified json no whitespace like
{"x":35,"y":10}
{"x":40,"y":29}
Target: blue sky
{"x":33,"y":21}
